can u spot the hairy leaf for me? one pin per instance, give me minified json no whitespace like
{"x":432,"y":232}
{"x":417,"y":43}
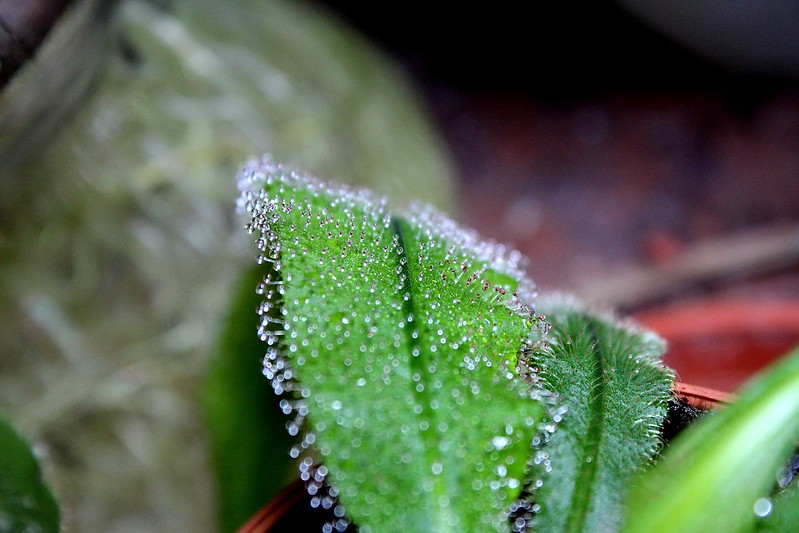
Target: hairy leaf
{"x":615,"y":390}
{"x":399,"y":338}
{"x":712,"y":475}
{"x":26,"y":503}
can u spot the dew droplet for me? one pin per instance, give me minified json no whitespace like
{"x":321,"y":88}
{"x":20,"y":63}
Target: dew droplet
{"x":500,"y":442}
{"x":763,"y":507}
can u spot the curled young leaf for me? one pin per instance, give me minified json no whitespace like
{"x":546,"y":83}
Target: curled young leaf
{"x":398,"y":337}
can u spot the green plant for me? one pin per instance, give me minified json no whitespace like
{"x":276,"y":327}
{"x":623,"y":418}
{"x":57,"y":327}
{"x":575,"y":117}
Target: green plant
{"x":427,"y":395}
{"x":26,"y":503}
{"x":425,"y":389}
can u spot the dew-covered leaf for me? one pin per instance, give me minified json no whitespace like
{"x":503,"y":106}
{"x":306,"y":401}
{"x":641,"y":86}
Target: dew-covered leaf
{"x":615,"y":389}
{"x":398,"y":337}
{"x":26,"y":503}
{"x":715,"y":475}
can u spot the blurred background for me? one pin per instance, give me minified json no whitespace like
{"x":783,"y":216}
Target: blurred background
{"x":642,"y":157}
{"x":596,"y":136}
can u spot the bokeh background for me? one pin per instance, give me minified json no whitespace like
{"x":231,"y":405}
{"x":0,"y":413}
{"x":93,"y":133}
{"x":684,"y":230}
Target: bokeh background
{"x":646,"y":159}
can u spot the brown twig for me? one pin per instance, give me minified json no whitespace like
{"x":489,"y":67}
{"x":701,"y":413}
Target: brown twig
{"x":748,"y":253}
{"x":266,"y":518}
{"x":701,"y":397}
{"x":23,"y":26}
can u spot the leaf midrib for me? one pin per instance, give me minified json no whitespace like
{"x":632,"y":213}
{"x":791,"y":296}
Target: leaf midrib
{"x":587,"y":471}
{"x":430,"y":436}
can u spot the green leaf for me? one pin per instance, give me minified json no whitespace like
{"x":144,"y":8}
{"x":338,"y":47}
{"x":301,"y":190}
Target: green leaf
{"x":249,"y":443}
{"x":714,"y":472}
{"x":615,"y":390}
{"x":26,"y":503}
{"x":399,"y":338}
{"x":782,"y":512}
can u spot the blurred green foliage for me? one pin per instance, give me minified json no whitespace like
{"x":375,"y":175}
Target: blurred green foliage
{"x":247,"y":429}
{"x":26,"y":503}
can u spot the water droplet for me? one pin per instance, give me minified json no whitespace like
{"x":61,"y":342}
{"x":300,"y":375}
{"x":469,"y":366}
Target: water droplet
{"x":500,"y":442}
{"x":763,"y":507}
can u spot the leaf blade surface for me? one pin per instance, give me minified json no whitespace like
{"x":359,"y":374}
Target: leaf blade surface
{"x":400,"y":336}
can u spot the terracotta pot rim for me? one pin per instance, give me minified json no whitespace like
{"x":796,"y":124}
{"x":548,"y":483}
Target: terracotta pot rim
{"x":703,"y":398}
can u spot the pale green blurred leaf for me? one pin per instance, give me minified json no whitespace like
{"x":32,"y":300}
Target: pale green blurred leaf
{"x":712,"y":474}
{"x":783,"y":516}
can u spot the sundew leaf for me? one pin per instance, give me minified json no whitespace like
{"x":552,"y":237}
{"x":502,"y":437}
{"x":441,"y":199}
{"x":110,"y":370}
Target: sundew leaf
{"x":714,"y":473}
{"x":399,"y":338}
{"x":26,"y":503}
{"x":615,"y":389}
